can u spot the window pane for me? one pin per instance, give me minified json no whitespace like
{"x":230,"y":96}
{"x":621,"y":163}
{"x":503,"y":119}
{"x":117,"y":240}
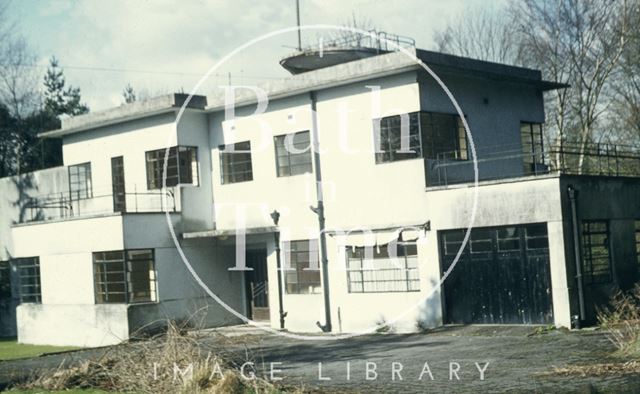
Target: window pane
{"x":28,"y":270}
{"x":293,"y":154}
{"x":80,"y":181}
{"x":235,"y":162}
{"x":304,"y":275}
{"x":383,"y":273}
{"x":125,"y":276}
{"x":595,"y":252}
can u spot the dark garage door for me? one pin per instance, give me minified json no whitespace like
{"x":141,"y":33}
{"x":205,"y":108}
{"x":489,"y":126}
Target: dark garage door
{"x":502,"y":276}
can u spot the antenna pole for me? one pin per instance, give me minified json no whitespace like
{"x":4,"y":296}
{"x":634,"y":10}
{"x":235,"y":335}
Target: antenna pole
{"x":298,"y":20}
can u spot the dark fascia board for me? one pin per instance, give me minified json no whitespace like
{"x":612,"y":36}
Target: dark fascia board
{"x":140,"y":109}
{"x":451,"y":64}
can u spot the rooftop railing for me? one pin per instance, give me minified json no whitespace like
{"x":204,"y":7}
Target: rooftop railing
{"x":508,"y":161}
{"x":378,"y":40}
{"x":98,"y":202}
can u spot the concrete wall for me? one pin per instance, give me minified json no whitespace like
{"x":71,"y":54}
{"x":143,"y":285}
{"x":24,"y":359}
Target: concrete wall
{"x":615,"y":200}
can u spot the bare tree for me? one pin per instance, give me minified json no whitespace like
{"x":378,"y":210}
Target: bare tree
{"x":579,"y":42}
{"x":481,"y":32}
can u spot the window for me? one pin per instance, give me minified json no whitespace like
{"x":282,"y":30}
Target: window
{"x":5,"y":280}
{"x":637,"y":223}
{"x":28,"y":270}
{"x":302,"y":275}
{"x":124,"y":276}
{"x":383,"y":274}
{"x":235,"y":162}
{"x":293,"y":154}
{"x":532,"y":145}
{"x":596,"y":259}
{"x":444,"y":136}
{"x":182,"y":166}
{"x":80,"y":181}
{"x":389,"y":131}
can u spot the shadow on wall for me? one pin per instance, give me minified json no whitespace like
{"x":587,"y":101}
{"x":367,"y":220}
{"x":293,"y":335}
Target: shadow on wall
{"x":430,"y":312}
{"x":25,"y":186}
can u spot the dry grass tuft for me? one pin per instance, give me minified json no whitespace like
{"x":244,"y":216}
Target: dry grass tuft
{"x":622,"y":321}
{"x":150,"y":367}
{"x":603,"y":369}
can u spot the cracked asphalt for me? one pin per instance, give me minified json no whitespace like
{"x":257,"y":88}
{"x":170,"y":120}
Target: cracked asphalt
{"x":448,"y":360}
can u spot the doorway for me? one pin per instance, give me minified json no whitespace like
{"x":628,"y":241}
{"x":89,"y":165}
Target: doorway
{"x":257,"y":285}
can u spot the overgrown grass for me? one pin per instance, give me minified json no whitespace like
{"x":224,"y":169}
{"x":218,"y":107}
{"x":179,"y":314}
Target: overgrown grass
{"x":150,"y":367}
{"x":10,"y":349}
{"x":622,"y":321}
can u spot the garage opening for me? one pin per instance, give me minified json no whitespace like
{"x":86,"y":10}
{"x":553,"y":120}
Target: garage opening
{"x":502,"y":276}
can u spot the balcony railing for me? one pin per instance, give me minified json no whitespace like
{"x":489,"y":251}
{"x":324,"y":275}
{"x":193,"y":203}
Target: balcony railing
{"x":66,"y":206}
{"x":508,"y":161}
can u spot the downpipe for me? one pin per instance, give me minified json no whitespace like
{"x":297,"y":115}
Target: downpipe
{"x":319,"y":211}
{"x":573,"y":197}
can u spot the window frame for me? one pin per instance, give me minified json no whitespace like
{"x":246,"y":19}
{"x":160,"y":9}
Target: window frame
{"x":154,"y":164}
{"x":226,"y":164}
{"x":33,"y":297}
{"x":86,"y":188}
{"x":406,"y":270}
{"x":126,"y":271}
{"x":295,"y":268}
{"x":6,"y":292}
{"x":462,"y":152}
{"x":529,"y":157}
{"x":288,"y":155}
{"x":586,"y":236}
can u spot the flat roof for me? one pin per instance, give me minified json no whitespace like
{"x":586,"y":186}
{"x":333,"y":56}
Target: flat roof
{"x":360,"y":70}
{"x":140,"y":109}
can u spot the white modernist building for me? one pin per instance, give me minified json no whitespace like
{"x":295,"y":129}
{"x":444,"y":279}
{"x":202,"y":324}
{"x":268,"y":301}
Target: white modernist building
{"x":357,"y":162}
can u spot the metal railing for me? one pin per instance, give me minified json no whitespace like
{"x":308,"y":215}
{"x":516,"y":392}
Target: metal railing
{"x":71,"y":205}
{"x":379,"y":40}
{"x":508,"y":161}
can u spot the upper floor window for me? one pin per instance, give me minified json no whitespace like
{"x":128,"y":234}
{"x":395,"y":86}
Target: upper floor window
{"x":383,"y":273}
{"x":444,"y":136}
{"x":124,"y":276}
{"x":80,"y":181}
{"x":235,"y":162}
{"x":28,"y":269}
{"x":303,"y":274}
{"x":427,"y":134}
{"x":596,"y":258}
{"x":293,"y":154}
{"x":182,"y":166}
{"x":394,"y":145}
{"x":532,"y":145}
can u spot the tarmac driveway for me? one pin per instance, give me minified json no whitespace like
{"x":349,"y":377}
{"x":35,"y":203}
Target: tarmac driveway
{"x":453,"y":359}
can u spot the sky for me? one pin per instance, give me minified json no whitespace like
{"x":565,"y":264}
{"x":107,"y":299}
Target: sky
{"x":163,"y":46}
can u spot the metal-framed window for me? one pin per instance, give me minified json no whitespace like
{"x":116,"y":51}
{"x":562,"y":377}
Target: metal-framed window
{"x":383,"y":274}
{"x":5,"y":280}
{"x":125,"y":276}
{"x":596,"y":256}
{"x":182,"y":166}
{"x":80,"y":181}
{"x":293,"y":154}
{"x":637,"y":224}
{"x":444,"y":136}
{"x":389,"y":132}
{"x":302,"y":273}
{"x":532,"y":145}
{"x":235,"y":163}
{"x":28,"y":270}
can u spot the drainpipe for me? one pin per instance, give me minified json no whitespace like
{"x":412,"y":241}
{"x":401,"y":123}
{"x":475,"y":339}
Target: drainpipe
{"x":275,"y":216}
{"x":573,"y":195}
{"x":319,"y":210}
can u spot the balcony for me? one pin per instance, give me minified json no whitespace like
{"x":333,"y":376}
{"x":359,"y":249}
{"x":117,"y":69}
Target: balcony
{"x":63,"y":206}
{"x":508,"y":161}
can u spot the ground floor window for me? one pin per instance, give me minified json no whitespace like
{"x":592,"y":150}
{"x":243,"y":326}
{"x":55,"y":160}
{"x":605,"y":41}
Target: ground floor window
{"x":28,"y":270}
{"x":125,"y":276}
{"x":637,"y":224}
{"x":596,"y":258}
{"x":5,"y":280}
{"x":302,"y":274}
{"x":383,"y":273}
